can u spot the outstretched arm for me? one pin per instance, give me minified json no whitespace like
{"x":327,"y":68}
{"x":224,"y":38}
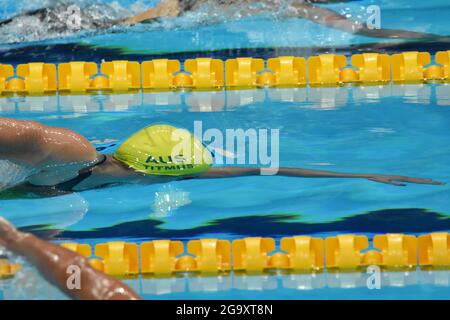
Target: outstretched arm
{"x":36,"y":144}
{"x":166,"y":8}
{"x":331,"y":18}
{"x":229,"y":172}
{"x":53,"y":261}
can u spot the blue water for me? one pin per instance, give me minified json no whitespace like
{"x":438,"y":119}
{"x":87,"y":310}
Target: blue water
{"x":400,"y":130}
{"x":389,"y":129}
{"x":199,"y":31}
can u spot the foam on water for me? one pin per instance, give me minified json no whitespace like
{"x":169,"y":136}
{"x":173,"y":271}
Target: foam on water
{"x":60,"y":20}
{"x":28,"y":283}
{"x":168,"y":199}
{"x":81,"y":18}
{"x":13,"y":174}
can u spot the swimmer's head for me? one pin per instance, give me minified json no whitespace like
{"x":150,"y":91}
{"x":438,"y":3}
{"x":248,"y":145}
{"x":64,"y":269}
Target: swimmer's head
{"x":164,"y":150}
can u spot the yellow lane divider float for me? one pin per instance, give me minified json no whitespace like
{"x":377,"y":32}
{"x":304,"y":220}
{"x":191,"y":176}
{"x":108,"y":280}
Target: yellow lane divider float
{"x":212,"y":74}
{"x":8,"y":269}
{"x":302,"y":254}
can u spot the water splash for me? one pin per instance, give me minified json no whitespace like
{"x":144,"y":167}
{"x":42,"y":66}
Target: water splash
{"x":168,"y":199}
{"x":59,"y":212}
{"x":12,"y":174}
{"x":58,"y":19}
{"x":28,"y":283}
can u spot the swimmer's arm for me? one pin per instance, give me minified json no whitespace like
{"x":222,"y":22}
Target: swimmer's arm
{"x":53,"y":262}
{"x":229,"y":172}
{"x":331,"y":18}
{"x":20,"y":140}
{"x":166,"y":8}
{"x":36,"y":144}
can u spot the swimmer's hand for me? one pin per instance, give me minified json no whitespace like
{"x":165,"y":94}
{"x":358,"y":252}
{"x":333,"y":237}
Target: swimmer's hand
{"x":165,"y":9}
{"x":401,"y":180}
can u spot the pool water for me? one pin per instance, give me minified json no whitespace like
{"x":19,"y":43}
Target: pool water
{"x":222,"y":36}
{"x":382,"y":129}
{"x":399,"y":129}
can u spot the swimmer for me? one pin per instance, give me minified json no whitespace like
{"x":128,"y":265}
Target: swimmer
{"x":64,"y":161}
{"x":53,"y":261}
{"x":97,"y":17}
{"x":297,"y":8}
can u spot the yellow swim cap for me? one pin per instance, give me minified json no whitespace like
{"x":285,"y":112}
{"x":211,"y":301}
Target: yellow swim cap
{"x":164,"y":150}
